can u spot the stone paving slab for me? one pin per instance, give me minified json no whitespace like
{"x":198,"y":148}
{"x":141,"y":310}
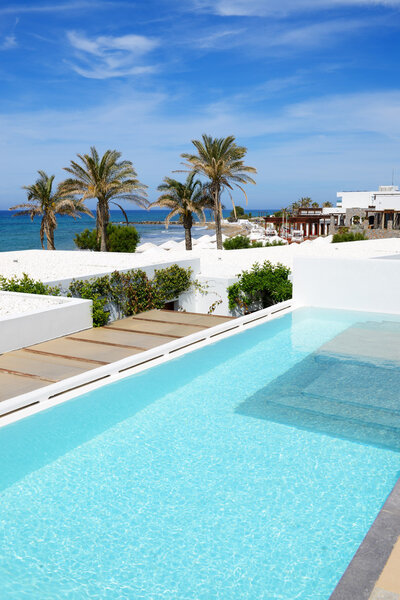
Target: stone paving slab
{"x":51,"y":367}
{"x":183,"y":317}
{"x":13,"y":385}
{"x":175,"y":330}
{"x":31,"y":368}
{"x":85,"y":351}
{"x":140,"y":341}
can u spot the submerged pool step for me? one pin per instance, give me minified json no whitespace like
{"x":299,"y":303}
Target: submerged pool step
{"x":365,"y":386}
{"x":334,"y":425}
{"x":373,"y":343}
{"x":353,"y":398}
{"x":373,"y":417}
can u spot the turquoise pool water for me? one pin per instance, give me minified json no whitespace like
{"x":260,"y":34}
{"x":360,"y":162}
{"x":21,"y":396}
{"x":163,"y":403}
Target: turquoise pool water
{"x":247,"y":470}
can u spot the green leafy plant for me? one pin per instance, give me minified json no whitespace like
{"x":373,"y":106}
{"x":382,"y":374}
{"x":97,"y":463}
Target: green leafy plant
{"x":348,"y":236}
{"x":240,"y":242}
{"x":97,"y":291}
{"x":236,"y":243}
{"x":240,"y":214}
{"x":132,"y":292}
{"x":260,"y":287}
{"x":274,"y":243}
{"x":172,"y":281}
{"x":120,"y":238}
{"x":27,"y":285}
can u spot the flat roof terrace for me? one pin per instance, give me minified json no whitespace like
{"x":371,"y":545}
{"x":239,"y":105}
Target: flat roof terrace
{"x":34,"y":367}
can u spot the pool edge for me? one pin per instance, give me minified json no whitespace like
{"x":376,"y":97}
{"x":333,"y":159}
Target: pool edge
{"x":359,"y":579}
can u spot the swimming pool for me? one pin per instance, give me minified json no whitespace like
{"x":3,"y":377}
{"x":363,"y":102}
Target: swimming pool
{"x":249,"y":469}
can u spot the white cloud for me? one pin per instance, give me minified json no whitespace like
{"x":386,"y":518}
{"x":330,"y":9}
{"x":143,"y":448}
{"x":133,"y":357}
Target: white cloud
{"x":253,"y":8}
{"x":9,"y":42}
{"x":107,"y":56}
{"x":312,"y":148}
{"x":76,"y":5}
{"x":314,"y":34}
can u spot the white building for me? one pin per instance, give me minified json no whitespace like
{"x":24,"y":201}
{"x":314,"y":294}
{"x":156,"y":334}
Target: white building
{"x":387,"y":197}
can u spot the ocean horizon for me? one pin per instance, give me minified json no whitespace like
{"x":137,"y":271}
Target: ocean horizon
{"x":20,"y":233}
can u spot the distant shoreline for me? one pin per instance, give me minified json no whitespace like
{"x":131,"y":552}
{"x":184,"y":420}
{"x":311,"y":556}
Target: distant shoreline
{"x":158,"y":223}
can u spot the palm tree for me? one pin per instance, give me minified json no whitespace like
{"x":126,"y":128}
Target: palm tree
{"x":327,"y":204}
{"x":305,"y":202}
{"x":107,"y":179}
{"x":221,"y":161}
{"x":185,"y":199}
{"x":43,"y":202}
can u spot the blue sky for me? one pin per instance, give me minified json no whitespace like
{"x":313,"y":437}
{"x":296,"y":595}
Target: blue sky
{"x":311,"y":87}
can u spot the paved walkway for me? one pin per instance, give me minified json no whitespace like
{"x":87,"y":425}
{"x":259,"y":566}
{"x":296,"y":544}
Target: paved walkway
{"x":34,"y":367}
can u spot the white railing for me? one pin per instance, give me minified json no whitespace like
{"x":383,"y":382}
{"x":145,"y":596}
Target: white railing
{"x":147,"y":358}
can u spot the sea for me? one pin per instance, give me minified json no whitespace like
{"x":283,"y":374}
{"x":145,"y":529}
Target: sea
{"x":20,"y":233}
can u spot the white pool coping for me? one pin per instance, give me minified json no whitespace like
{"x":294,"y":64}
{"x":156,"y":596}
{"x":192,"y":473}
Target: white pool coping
{"x":72,"y":387}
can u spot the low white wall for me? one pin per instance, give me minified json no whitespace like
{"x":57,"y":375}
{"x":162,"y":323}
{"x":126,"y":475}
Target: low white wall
{"x":215,"y":295}
{"x":369,"y":284}
{"x":29,"y":328}
{"x":193,"y":263}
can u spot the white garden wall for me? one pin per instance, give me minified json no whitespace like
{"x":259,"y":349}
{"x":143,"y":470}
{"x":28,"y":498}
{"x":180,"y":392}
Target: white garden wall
{"x":27,"y":326}
{"x":215,"y":296}
{"x":370,"y":284}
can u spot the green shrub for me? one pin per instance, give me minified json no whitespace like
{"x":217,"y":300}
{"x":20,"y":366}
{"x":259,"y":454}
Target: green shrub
{"x":97,"y":291}
{"x":240,"y":242}
{"x":172,"y":281}
{"x":240,"y":214}
{"x":274,"y":243}
{"x":26,"y":285}
{"x":120,"y":238}
{"x":237,"y":242}
{"x":131,"y":292}
{"x":260,"y":287}
{"x":348,"y":236}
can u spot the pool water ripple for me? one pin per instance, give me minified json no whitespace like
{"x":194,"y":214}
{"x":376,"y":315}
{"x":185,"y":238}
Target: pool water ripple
{"x":190,"y":499}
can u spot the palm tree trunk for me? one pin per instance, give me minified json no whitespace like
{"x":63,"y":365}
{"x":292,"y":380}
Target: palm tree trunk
{"x":187,"y":223}
{"x":102,"y":224}
{"x":188,"y":238}
{"x":50,"y":238}
{"x":217,"y":217}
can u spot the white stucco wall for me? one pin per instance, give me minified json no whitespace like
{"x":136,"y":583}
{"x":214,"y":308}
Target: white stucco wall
{"x":378,"y":199}
{"x":193,"y":263}
{"x":215,"y":291}
{"x":40,"y":325}
{"x":356,"y":284}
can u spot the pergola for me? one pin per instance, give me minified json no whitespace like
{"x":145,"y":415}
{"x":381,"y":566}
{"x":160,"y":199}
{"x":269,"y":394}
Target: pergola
{"x":311,"y":224}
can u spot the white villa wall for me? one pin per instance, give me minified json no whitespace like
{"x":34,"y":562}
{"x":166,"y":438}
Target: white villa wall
{"x":189,"y":299}
{"x":193,"y":263}
{"x":28,"y":328}
{"x":354,"y":199}
{"x":216,"y":288}
{"x":370,"y":284}
{"x":381,"y":199}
